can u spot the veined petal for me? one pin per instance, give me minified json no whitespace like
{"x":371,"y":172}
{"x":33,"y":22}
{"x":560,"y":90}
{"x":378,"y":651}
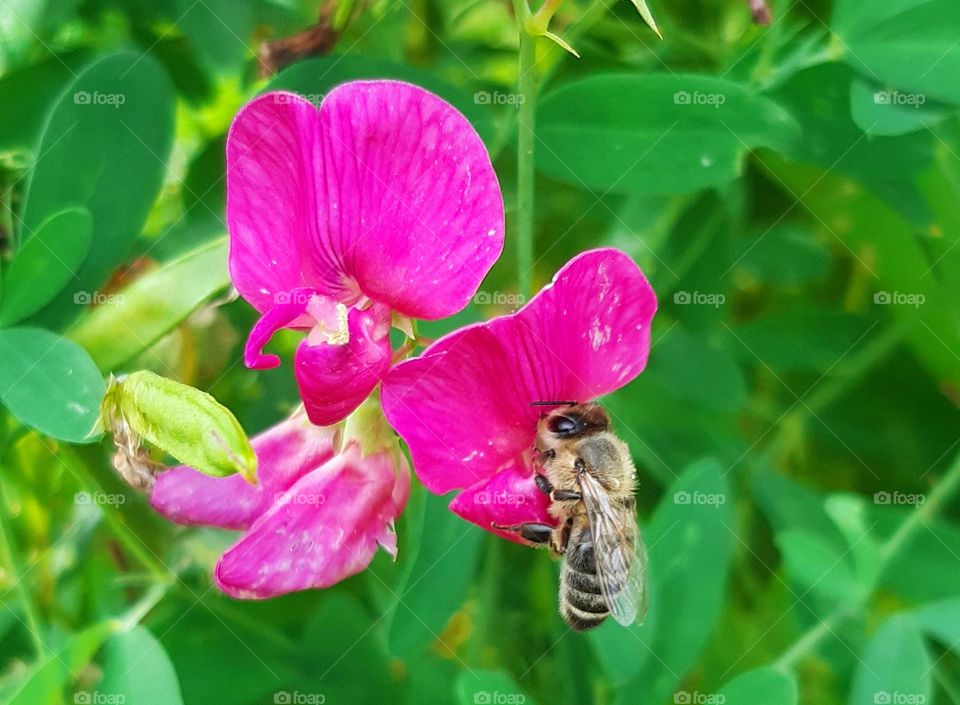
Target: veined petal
{"x":510,"y":497}
{"x":271,"y":196}
{"x":335,"y":375}
{"x":285,"y":453}
{"x":386,"y":192}
{"x":463,"y":407}
{"x":420,"y":212}
{"x":325,"y":528}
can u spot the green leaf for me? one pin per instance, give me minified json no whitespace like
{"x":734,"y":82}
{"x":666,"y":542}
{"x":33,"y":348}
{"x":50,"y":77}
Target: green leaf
{"x":28,"y":94}
{"x":868,"y":224}
{"x":45,"y":264}
{"x":926,"y":568}
{"x":45,"y":683}
{"x":819,"y":98}
{"x":895,"y":667}
{"x":690,"y":546}
{"x":800,"y":338}
{"x":19,"y":24}
{"x":849,"y":512}
{"x":314,"y":78}
{"x":561,"y":42}
{"x":138,"y":669}
{"x":910,"y":44}
{"x":784,"y":256}
{"x":180,"y":420}
{"x":623,"y":650}
{"x":657,"y":133}
{"x":763,"y":686}
{"x":439,"y":576}
{"x":877,"y":111}
{"x":816,"y":566}
{"x":229,"y":652}
{"x":696,"y":371}
{"x":152,"y":306}
{"x":647,"y":16}
{"x":113,"y":126}
{"x":481,"y":687}
{"x":342,"y":625}
{"x":789,"y":505}
{"x":50,"y":383}
{"x":218,"y":31}
{"x":941,"y":621}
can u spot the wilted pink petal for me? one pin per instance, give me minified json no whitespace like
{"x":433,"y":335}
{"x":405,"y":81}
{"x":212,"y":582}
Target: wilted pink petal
{"x":385,"y":192}
{"x":463,"y":407}
{"x":509,"y":497}
{"x":336,"y":376}
{"x":387,"y":537}
{"x":325,"y":528}
{"x":285,"y":453}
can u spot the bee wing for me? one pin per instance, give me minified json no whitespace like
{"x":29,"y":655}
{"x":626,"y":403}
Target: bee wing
{"x":619,"y":552}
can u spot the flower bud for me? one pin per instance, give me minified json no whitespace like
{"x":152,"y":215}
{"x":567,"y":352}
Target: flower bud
{"x":178,"y":419}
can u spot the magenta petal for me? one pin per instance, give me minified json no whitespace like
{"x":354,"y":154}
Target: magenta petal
{"x":335,"y":378}
{"x":463,"y":407}
{"x":325,"y":528}
{"x":386,"y":191}
{"x":420,"y":210}
{"x":285,"y":453}
{"x":509,"y":497}
{"x":288,"y":307}
{"x":270,"y":197}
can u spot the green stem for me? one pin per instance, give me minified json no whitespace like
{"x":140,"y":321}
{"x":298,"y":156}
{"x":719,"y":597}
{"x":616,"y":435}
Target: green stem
{"x":809,"y":639}
{"x":924,"y":512}
{"x":842,"y":378}
{"x":146,"y":603}
{"x":526,"y":141}
{"x":554,"y":56}
{"x":853,"y":370}
{"x":11,"y":561}
{"x":551,"y":59}
{"x":487,"y":600}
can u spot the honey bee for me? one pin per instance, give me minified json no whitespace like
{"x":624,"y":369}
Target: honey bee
{"x":589,"y":475}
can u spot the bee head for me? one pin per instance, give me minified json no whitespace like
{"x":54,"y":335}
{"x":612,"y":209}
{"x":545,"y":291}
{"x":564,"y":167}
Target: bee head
{"x":572,"y":420}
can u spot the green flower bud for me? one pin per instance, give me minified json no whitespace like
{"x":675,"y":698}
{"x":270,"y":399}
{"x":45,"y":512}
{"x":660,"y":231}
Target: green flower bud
{"x":178,"y":419}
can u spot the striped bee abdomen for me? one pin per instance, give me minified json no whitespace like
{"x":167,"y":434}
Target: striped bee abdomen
{"x":581,"y":602}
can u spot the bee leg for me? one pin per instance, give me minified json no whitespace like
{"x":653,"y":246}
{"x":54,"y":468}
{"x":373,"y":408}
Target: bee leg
{"x":543,"y":483}
{"x":530,"y":531}
{"x":556,"y":495}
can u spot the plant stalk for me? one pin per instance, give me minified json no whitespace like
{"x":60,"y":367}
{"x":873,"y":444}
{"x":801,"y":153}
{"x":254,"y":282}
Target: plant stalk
{"x":810,"y":639}
{"x":526,"y":141}
{"x":10,"y":556}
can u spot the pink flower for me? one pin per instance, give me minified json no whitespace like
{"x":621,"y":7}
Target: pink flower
{"x":463,"y":407}
{"x":315,"y":518}
{"x":380,"y":205}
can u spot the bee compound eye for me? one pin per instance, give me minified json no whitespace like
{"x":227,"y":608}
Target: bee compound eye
{"x":563,"y":425}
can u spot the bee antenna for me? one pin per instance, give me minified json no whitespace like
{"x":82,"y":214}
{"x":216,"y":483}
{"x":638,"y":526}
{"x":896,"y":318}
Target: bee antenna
{"x":553,"y":403}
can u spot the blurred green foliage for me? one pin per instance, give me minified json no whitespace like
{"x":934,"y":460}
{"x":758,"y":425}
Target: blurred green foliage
{"x":791,"y":191}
